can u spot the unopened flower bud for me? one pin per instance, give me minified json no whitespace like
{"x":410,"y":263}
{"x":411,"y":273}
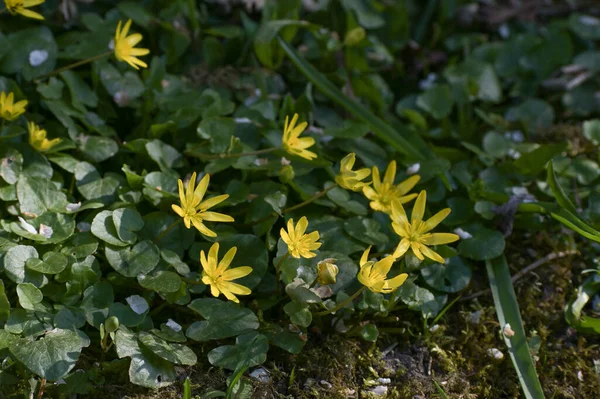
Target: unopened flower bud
{"x":327,"y":271}
{"x":354,"y":36}
{"x":111,"y":324}
{"x":287,"y":174}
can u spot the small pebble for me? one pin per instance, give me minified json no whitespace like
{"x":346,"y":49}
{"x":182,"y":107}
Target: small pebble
{"x":495,"y":353}
{"x":261,"y":375}
{"x":475,"y":317}
{"x":380,"y":390}
{"x":508,"y":332}
{"x":325,"y":384}
{"x":384,"y":381}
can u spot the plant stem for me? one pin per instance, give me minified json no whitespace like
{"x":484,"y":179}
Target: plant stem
{"x":293,"y":208}
{"x":40,"y":394}
{"x":311,"y":199}
{"x":278,"y":267}
{"x":161,"y":235}
{"x":73,"y":65}
{"x":236,"y":155}
{"x":343,"y":304}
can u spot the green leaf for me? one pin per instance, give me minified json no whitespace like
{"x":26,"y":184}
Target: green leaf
{"x":126,"y":315}
{"x":534,"y":114}
{"x":166,"y":156}
{"x":450,"y":277}
{"x":80,"y":91}
{"x":127,"y":221}
{"x":146,"y":368}
{"x":37,"y":196}
{"x":365,"y":230}
{"x":532,"y":163}
{"x":438,"y":101}
{"x":52,"y":356}
{"x":30,"y":297}
{"x":403,"y":139}
{"x":4,"y":304}
{"x":172,"y":352}
{"x":591,"y":130}
{"x":348,"y":130}
{"x":96,"y":301}
{"x":124,"y":88}
{"x":51,"y":263}
{"x":367,"y":15}
{"x":162,"y":281}
{"x":219,"y":131}
{"x":485,"y":244}
{"x":92,"y":185}
{"x":97,"y":148}
{"x":14,"y":265}
{"x":18,"y":60}
{"x":277,"y":200}
{"x":142,"y":258}
{"x":300,"y":292}
{"x":250,"y":350}
{"x":265,"y":47}
{"x":103,"y":227}
{"x":507,"y":308}
{"x":222,"y":320}
{"x":299,"y":313}
{"x":586,"y":26}
{"x":11,"y":165}
{"x":137,"y":12}
{"x":369,"y":332}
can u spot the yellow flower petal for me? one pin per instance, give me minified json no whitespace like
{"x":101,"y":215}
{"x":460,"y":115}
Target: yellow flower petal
{"x":436,"y":219}
{"x":419,"y":208}
{"x":440,"y":238}
{"x":238,"y":272}
{"x":390,"y":173}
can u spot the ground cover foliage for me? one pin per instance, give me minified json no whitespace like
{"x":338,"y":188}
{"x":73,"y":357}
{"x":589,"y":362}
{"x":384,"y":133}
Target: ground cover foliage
{"x":204,"y":187}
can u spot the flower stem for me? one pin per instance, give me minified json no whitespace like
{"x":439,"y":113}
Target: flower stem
{"x":161,"y":235}
{"x":310,"y":200}
{"x":278,"y":265}
{"x":235,"y":155}
{"x":73,"y":65}
{"x":341,"y":305}
{"x":293,"y":208}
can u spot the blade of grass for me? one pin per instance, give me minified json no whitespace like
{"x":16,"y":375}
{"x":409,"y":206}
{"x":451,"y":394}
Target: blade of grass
{"x":557,"y":190}
{"x":404,"y":140}
{"x":507,"y":309}
{"x":187,"y":389}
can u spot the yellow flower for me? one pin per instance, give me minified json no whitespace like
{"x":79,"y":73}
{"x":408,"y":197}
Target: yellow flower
{"x":125,"y":46}
{"x":373,"y":274}
{"x":327,"y":271}
{"x":291,"y":141}
{"x":384,"y":192}
{"x":349,"y":179}
{"x":416,"y":233}
{"x":10,"y":110}
{"x":193,"y":210}
{"x":38,"y":140}
{"x":218,"y":275}
{"x":300,"y":244}
{"x":20,"y":7}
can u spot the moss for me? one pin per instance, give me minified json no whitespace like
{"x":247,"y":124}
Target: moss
{"x":455,"y":355}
